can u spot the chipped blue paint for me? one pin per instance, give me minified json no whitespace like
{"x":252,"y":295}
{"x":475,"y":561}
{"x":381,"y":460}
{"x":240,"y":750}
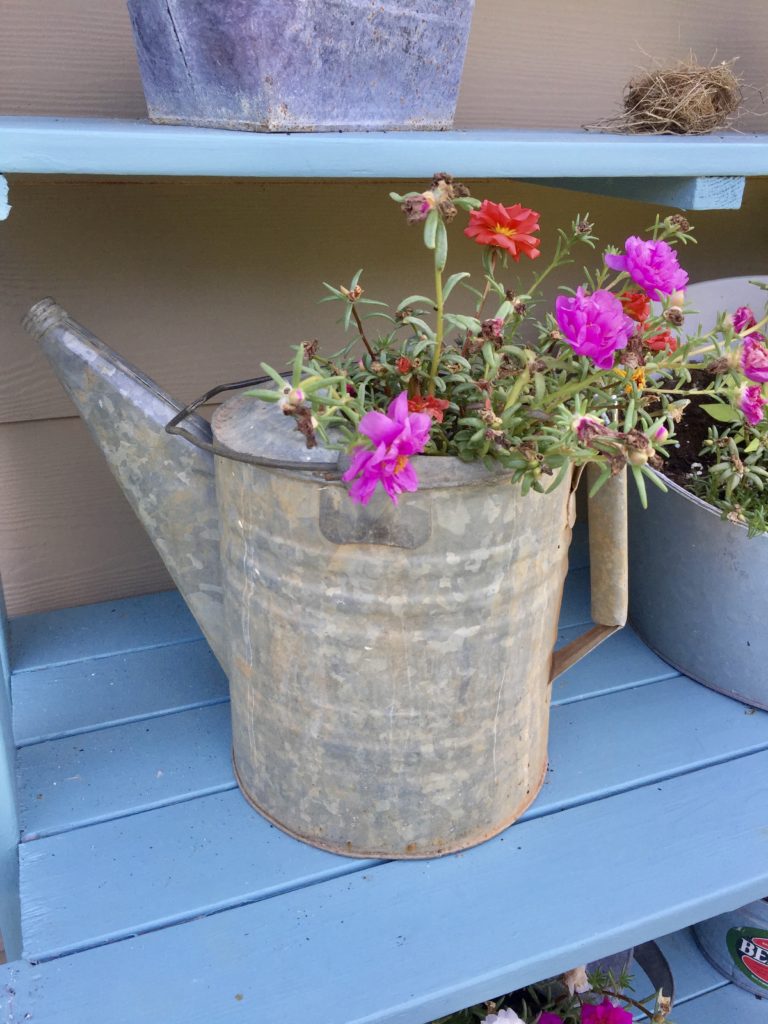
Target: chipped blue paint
{"x":5,"y":206}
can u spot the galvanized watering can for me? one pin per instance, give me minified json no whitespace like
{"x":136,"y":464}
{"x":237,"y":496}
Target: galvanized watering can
{"x":389,"y":668}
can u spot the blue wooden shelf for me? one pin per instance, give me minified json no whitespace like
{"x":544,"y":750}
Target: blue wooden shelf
{"x":151,"y":891}
{"x":697,"y":172}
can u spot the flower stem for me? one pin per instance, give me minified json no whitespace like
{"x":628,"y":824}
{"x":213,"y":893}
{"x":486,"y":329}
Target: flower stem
{"x":359,"y":323}
{"x":438,"y":329}
{"x":516,"y":391}
{"x":489,"y":277}
{"x":568,"y":390}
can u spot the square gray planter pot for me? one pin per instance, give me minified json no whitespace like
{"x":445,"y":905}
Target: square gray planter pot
{"x":302,"y":65}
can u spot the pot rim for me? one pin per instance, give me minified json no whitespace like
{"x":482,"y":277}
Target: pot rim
{"x":705,"y":506}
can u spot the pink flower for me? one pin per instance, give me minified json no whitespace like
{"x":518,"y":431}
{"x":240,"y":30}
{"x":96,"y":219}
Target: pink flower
{"x":661,"y":433}
{"x":605,"y":1013}
{"x":652,"y":266}
{"x":585,"y":428}
{"x":754,"y":360}
{"x":549,"y":1018}
{"x":751,"y":403}
{"x":396,"y":435}
{"x":743,"y":318}
{"x":594,"y":325}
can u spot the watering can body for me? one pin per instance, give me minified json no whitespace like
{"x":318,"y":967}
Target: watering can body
{"x":389,"y":668}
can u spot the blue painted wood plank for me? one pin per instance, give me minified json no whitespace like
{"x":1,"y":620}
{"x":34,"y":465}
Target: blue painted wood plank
{"x":114,"y":690}
{"x":5,"y":206}
{"x":79,"y":780}
{"x":641,"y":736}
{"x":694,"y":975}
{"x":96,"y":146}
{"x":574,"y":610}
{"x":620,"y":662}
{"x":578,"y":553}
{"x":174,"y":864}
{"x":403,"y":943}
{"x":728,"y":1005}
{"x":702,"y":193}
{"x":98,"y":630}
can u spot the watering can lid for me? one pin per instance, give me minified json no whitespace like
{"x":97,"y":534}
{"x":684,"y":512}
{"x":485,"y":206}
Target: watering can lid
{"x":251,"y":428}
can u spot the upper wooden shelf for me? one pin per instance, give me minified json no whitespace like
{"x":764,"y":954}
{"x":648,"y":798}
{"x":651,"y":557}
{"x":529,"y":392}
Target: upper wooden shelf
{"x":44,"y":145}
{"x":689,"y":172}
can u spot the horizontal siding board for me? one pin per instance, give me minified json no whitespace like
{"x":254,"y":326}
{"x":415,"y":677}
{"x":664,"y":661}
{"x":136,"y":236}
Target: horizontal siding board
{"x":197,"y":325}
{"x":67,"y":534}
{"x":600,"y":747}
{"x":365,"y":947}
{"x":115,"y":690}
{"x":69,"y":57}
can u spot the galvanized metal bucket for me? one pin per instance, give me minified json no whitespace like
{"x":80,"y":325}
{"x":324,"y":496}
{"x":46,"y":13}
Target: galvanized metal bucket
{"x":389,"y":668}
{"x":736,"y":944}
{"x":301,"y":65}
{"x":698,"y":590}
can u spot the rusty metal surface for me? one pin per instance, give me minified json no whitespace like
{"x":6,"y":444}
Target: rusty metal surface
{"x":168,"y":482}
{"x":698,"y":592}
{"x":608,"y":550}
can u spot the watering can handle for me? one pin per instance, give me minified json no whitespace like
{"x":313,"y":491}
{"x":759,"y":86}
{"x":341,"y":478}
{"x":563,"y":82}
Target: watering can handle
{"x":608,"y":569}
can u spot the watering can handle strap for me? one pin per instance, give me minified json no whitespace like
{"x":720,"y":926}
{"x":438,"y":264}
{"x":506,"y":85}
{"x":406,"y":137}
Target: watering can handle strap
{"x":608,"y":569}
{"x":174,"y":426}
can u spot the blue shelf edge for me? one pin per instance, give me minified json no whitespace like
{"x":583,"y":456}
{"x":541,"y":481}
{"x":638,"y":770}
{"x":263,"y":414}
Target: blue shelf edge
{"x":40,"y":145}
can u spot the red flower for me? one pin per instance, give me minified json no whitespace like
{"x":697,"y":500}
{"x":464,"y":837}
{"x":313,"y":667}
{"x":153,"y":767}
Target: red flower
{"x":505,"y":227}
{"x":404,"y":364}
{"x":434,"y":407}
{"x":661,"y":342}
{"x":636,"y":304}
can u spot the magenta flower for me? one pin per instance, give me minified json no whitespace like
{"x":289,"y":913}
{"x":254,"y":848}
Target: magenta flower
{"x":605,"y":1013}
{"x":594,"y":325}
{"x":754,"y":360}
{"x":743,"y":318}
{"x":396,"y":435}
{"x":652,"y":266}
{"x":751,"y":403}
{"x":549,"y":1018}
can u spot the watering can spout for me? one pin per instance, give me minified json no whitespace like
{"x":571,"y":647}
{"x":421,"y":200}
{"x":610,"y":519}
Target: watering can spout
{"x":168,"y":482}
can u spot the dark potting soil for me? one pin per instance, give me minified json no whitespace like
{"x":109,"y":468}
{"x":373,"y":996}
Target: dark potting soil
{"x":690,"y":435}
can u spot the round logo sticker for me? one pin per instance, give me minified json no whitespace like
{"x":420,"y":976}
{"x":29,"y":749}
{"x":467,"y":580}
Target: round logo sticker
{"x":749,"y":949}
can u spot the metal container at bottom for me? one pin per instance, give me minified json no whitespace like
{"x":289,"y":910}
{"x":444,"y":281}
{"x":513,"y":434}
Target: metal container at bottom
{"x":736,"y":944}
{"x":698,"y":588}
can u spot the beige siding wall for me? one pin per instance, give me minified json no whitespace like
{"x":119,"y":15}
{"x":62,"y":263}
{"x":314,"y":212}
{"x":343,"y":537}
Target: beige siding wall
{"x":197,"y":281}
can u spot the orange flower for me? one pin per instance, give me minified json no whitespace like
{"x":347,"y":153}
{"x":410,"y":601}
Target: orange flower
{"x":661,"y":342}
{"x":638,"y":377}
{"x":505,"y":227}
{"x":434,"y":407}
{"x":636,"y":304}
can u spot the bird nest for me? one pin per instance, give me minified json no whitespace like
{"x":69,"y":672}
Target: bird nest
{"x":687,"y":99}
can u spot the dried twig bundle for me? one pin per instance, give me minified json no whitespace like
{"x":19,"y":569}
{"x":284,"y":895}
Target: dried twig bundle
{"x":687,"y":99}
